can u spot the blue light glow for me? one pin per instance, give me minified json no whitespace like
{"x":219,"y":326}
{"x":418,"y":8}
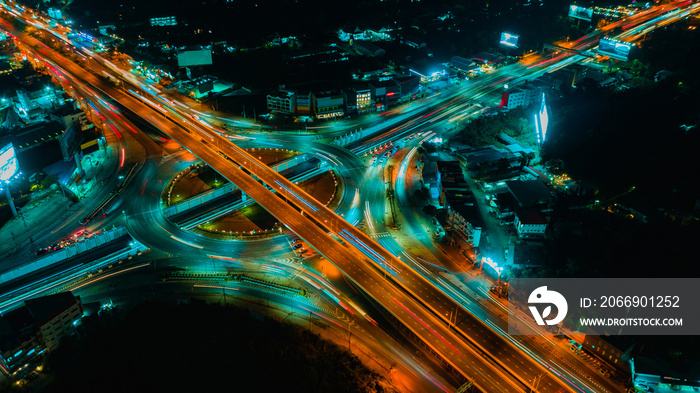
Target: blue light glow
{"x":9,"y":166}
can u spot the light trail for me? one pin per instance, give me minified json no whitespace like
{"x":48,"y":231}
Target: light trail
{"x":186,"y":242}
{"x":425,"y":325}
{"x":108,"y":275}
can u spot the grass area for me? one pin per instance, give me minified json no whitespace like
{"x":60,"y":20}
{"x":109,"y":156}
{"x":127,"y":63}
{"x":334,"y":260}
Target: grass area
{"x":255,"y":218}
{"x":270,"y":155}
{"x":202,"y":178}
{"x":193,"y":182}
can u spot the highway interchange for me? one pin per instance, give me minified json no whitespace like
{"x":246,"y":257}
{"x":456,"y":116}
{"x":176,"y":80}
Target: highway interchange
{"x":413,"y":294}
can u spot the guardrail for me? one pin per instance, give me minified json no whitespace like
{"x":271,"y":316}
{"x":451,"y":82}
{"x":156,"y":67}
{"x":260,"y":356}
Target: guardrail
{"x":65,"y":253}
{"x":228,"y":188}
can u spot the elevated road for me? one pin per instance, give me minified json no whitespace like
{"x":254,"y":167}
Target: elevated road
{"x":411,"y":298}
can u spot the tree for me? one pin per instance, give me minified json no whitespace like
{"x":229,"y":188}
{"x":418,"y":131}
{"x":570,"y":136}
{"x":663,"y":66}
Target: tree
{"x":48,"y":181}
{"x":429,"y":210}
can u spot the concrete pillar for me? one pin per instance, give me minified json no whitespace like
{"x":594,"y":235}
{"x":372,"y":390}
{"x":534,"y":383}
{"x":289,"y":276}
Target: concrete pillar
{"x":79,"y":163}
{"x":10,"y":201}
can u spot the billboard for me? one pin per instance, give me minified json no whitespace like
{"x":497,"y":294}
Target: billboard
{"x":580,"y":12}
{"x":8,"y":162}
{"x":70,"y":141}
{"x":614,"y":49}
{"x":541,"y":122}
{"x":510,"y":40}
{"x":194,"y":58}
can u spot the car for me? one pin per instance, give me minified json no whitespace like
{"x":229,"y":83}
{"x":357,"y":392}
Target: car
{"x":297,"y":246}
{"x":298,"y":241}
{"x":42,"y":251}
{"x":301,"y":251}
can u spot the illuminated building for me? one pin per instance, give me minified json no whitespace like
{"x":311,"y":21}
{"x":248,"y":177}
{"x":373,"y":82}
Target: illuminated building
{"x":304,"y":103}
{"x":284,"y":102}
{"x":164,"y":21}
{"x":360,"y":99}
{"x":386,"y":94}
{"x":517,"y":97}
{"x":328,"y":104}
{"x":69,"y":113}
{"x":36,"y":327}
{"x":530,"y":223}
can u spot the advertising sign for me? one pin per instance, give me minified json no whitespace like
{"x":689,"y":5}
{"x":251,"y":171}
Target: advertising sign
{"x":614,"y":49}
{"x":510,"y":40}
{"x":9,"y":166}
{"x":194,"y":58}
{"x":580,"y":12}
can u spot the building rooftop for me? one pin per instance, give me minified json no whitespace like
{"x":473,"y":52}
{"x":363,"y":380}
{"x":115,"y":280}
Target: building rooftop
{"x":462,"y":63}
{"x":531,"y":217}
{"x":15,"y":327}
{"x":66,"y":109}
{"x":485,"y":155}
{"x":386,"y":83}
{"x":37,"y":133}
{"x":488,"y":57}
{"x":9,"y":118}
{"x":46,"y":307}
{"x":328,"y":93}
{"x":529,"y":192}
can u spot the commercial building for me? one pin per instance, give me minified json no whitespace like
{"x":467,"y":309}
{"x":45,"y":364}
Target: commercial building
{"x":605,"y":353}
{"x":489,"y":159}
{"x":529,"y":193}
{"x":55,"y":315}
{"x":35,"y":327}
{"x":284,"y":101}
{"x":431,"y":178}
{"x":164,"y":21}
{"x":409,"y":84}
{"x":461,"y":211}
{"x":368,"y":49}
{"x":328,"y":104}
{"x":521,"y":96}
{"x":69,"y":113}
{"x":487,"y":58}
{"x":529,"y":223}
{"x":38,"y":145}
{"x":466,"y":65}
{"x":304,"y":103}
{"x":386,"y":94}
{"x":363,"y":98}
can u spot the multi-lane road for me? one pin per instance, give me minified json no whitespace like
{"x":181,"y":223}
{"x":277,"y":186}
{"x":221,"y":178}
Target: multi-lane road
{"x":470,"y":347}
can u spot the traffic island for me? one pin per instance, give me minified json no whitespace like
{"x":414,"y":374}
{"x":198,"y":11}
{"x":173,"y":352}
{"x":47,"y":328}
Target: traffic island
{"x":199,"y":178}
{"x":200,"y":199}
{"x":253,"y":221}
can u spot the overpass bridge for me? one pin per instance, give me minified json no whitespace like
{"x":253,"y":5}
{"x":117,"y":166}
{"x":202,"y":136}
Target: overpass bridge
{"x":585,"y":53}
